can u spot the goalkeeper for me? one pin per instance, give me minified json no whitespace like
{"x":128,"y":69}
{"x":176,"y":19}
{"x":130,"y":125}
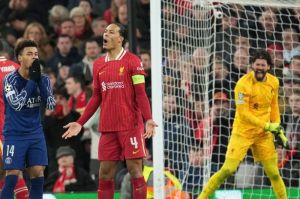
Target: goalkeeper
{"x":257,"y":118}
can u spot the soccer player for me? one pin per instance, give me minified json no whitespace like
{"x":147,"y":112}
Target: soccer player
{"x":7,"y":66}
{"x":24,"y":144}
{"x":257,"y":114}
{"x":119,"y":89}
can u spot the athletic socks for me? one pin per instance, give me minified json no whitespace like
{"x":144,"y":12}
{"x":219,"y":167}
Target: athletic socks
{"x":21,"y":190}
{"x":106,"y":189}
{"x":9,"y":186}
{"x":36,"y":189}
{"x":139,"y":188}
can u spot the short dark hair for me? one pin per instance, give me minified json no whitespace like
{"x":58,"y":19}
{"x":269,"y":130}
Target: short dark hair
{"x":122,"y":31}
{"x":24,"y":44}
{"x":262,"y":54}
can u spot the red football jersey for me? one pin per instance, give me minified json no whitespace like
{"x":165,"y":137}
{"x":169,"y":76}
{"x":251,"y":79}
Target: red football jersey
{"x":119,"y":109}
{"x":6,"y":66}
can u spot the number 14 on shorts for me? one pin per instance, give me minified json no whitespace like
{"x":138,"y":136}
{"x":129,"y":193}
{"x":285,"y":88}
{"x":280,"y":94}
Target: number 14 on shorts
{"x":10,"y":150}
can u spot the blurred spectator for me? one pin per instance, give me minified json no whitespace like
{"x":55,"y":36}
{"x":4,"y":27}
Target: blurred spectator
{"x":291,"y":44}
{"x":82,"y":26}
{"x":143,"y":24}
{"x":200,"y":67}
{"x":63,"y":72}
{"x":53,"y":128}
{"x":176,"y":136}
{"x":122,"y":15}
{"x":289,"y":160}
{"x":78,"y":98}
{"x":22,"y":12}
{"x":111,"y":14}
{"x":68,"y":177}
{"x":172,"y":184}
{"x":222,"y":80}
{"x":57,"y":14}
{"x":267,"y":30}
{"x":85,"y":67}
{"x":92,"y":128}
{"x":276,"y":53}
{"x":52,"y":77}
{"x":36,"y":32}
{"x":86,"y":5}
{"x":295,"y":65}
{"x":146,"y":61}
{"x":98,"y":27}
{"x":67,"y":27}
{"x":220,"y":122}
{"x":64,"y":51}
{"x":240,"y":64}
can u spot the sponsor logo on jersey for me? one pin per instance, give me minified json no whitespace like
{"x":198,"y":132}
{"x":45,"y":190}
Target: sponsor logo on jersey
{"x":121,"y":70}
{"x":112,"y":85}
{"x":5,"y":69}
{"x":140,"y":67}
{"x":100,"y":73}
{"x":33,"y":102}
{"x":8,"y":160}
{"x":240,"y":98}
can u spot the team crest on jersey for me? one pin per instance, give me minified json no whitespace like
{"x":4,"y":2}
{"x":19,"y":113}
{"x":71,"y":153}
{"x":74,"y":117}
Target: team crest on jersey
{"x":8,"y":88}
{"x":8,"y":160}
{"x":121,"y":70}
{"x":240,"y":98}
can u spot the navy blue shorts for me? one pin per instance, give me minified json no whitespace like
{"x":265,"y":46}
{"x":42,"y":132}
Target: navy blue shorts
{"x":18,"y":154}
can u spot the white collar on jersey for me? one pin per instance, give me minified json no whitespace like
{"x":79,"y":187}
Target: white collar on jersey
{"x":118,"y":57}
{"x":2,"y":58}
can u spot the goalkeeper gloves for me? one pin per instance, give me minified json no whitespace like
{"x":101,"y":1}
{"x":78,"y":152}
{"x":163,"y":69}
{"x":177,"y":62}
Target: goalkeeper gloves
{"x":272,"y":127}
{"x":278,"y":131}
{"x":35,"y":71}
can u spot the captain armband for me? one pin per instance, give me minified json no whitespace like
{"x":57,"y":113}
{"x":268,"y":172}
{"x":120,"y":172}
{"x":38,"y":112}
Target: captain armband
{"x":138,"y":79}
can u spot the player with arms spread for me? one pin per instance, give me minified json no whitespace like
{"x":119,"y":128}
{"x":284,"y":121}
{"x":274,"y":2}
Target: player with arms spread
{"x":24,"y":144}
{"x":257,"y":114}
{"x":119,"y":89}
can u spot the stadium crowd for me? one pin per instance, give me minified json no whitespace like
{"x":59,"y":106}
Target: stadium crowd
{"x":69,"y":34}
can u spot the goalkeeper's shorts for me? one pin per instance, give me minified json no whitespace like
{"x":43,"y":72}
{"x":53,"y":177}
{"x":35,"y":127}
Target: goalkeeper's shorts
{"x":262,"y":147}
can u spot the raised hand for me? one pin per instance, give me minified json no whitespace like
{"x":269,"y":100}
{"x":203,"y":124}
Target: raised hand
{"x":74,"y":129}
{"x":35,"y":71}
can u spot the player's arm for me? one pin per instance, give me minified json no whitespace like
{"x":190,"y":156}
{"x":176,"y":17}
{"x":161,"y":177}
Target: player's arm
{"x":242,"y":98}
{"x":46,"y":92}
{"x":75,"y":127}
{"x":17,"y":100}
{"x":138,"y":81}
{"x":275,"y":113}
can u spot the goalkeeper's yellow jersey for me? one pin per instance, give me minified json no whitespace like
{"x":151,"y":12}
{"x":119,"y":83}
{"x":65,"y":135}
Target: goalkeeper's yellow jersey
{"x":256,"y":103}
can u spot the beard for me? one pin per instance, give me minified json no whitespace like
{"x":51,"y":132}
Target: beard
{"x":260,"y":75}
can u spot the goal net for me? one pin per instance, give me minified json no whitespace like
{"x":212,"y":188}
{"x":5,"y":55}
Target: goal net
{"x":206,"y":48}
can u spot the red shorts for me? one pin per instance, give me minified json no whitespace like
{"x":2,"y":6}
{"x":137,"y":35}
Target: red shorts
{"x":120,"y":145}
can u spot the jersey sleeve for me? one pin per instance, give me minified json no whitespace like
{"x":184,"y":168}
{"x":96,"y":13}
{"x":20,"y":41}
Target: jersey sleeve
{"x":275,"y":113}
{"x":95,"y":100}
{"x":136,"y":67}
{"x":46,"y":92}
{"x":242,"y":98}
{"x":17,"y":100}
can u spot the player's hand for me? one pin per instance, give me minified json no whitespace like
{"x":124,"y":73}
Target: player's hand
{"x":272,"y":127}
{"x":281,"y":139}
{"x":150,"y":128}
{"x":35,"y":71}
{"x":74,"y":129}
